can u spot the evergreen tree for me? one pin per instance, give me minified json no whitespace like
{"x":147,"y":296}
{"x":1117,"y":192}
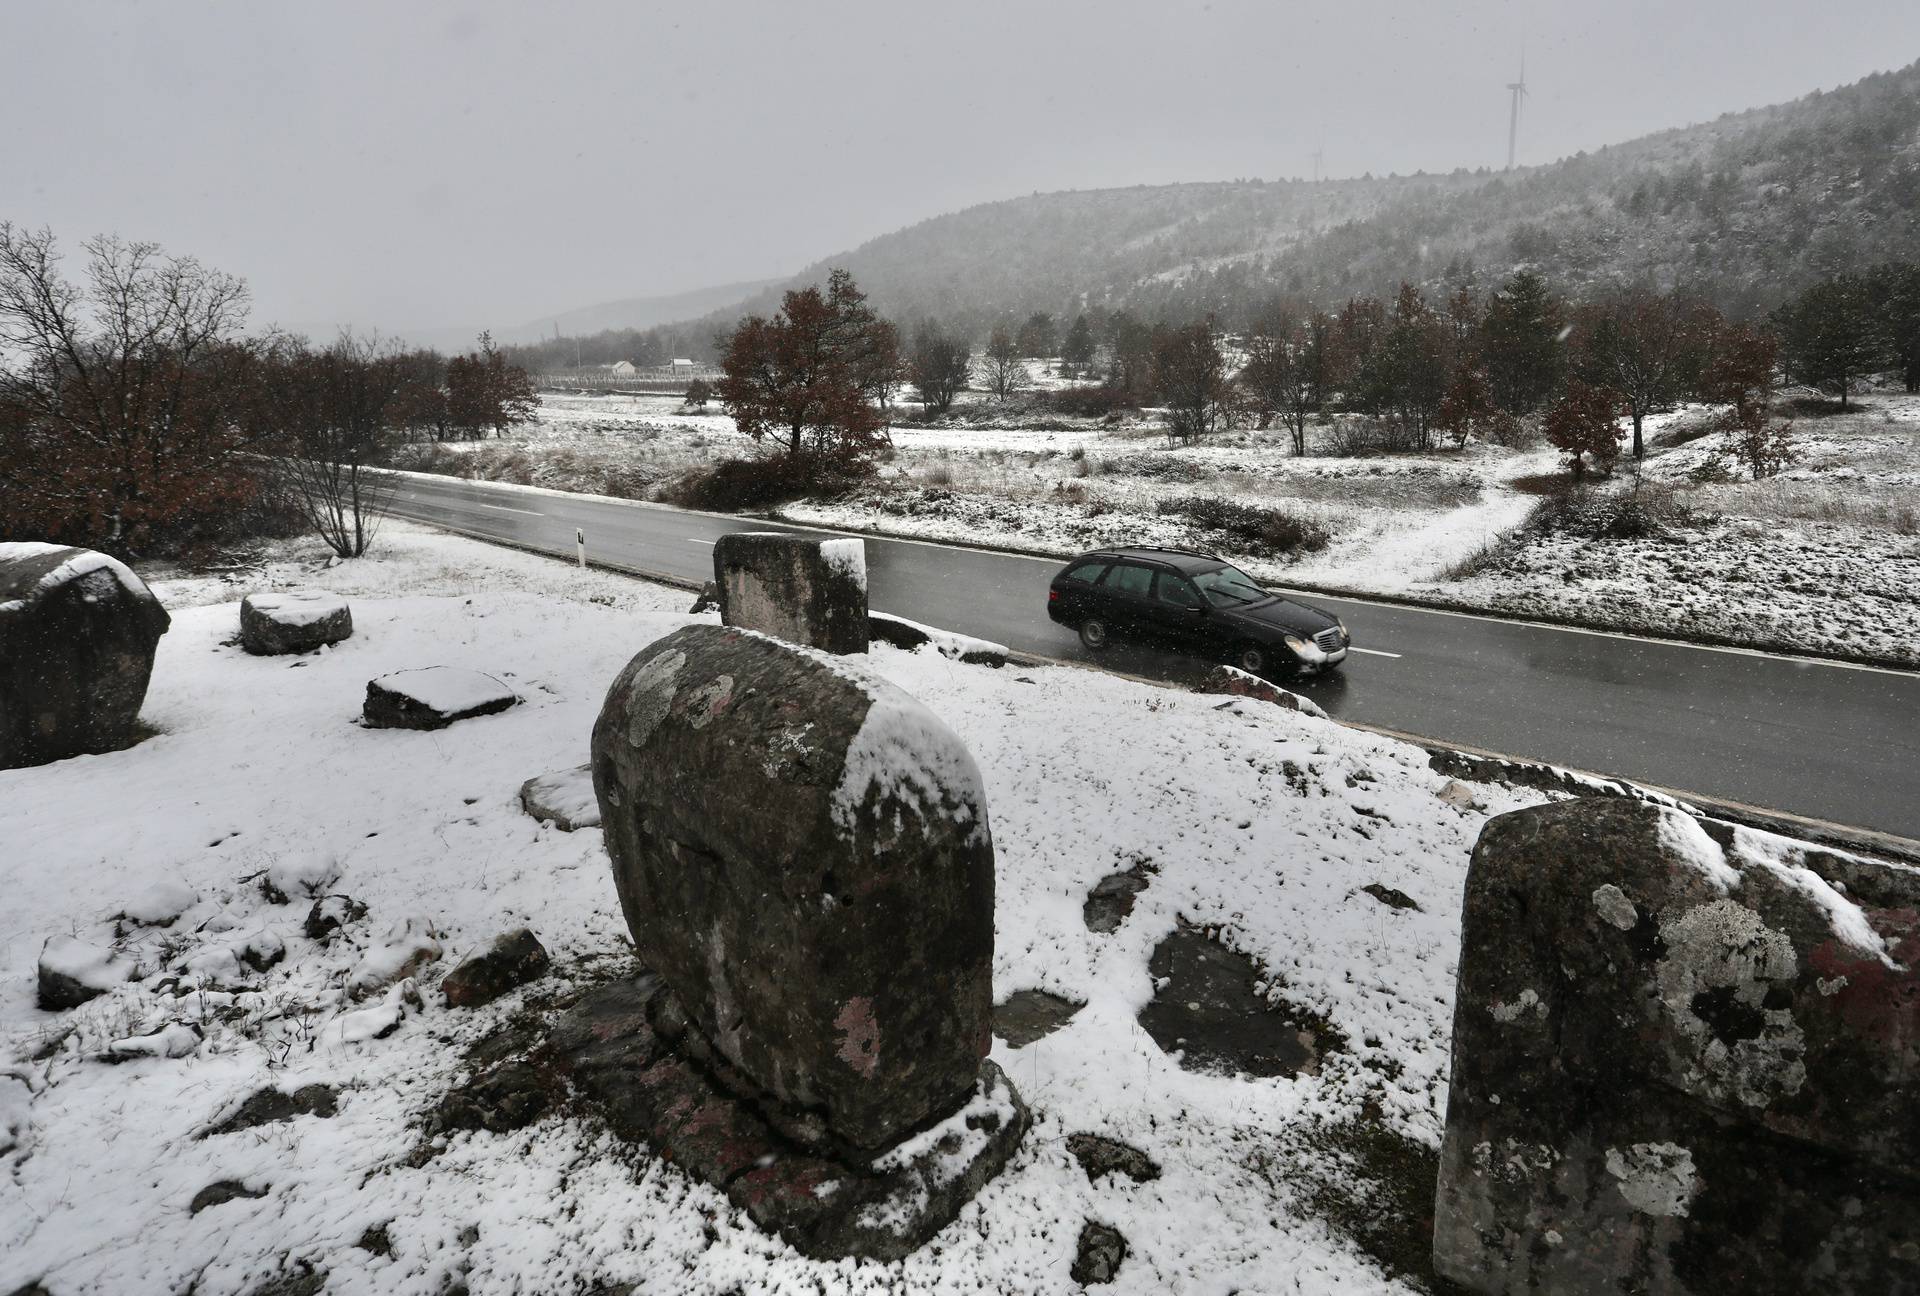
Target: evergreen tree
{"x":1830,"y":335}
{"x":1520,"y":343}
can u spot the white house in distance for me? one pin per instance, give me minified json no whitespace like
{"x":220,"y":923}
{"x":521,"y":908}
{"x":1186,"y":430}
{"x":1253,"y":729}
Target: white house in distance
{"x":624,"y":369}
{"x":681,"y":366}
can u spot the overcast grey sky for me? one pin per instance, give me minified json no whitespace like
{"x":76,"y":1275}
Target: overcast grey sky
{"x":423,"y":164}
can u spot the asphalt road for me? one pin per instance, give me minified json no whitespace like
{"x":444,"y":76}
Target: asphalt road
{"x":1811,"y":738}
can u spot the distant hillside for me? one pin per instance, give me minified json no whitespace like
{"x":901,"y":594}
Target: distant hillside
{"x":637,"y":312}
{"x":1747,"y":209}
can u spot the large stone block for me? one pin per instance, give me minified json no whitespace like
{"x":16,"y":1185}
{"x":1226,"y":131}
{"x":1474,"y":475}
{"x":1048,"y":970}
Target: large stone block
{"x":1684,"y":1060}
{"x":77,"y":637}
{"x":803,"y":854}
{"x":799,"y":588}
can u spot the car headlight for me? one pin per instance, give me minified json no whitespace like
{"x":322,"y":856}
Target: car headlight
{"x":1344,"y":632}
{"x":1297,"y":645}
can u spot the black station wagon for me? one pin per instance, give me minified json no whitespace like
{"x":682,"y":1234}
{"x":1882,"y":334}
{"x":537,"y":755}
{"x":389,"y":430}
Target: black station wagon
{"x":1196,"y":603}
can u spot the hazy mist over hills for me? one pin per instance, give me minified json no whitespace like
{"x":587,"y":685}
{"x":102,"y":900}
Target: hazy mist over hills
{"x":1745,"y":209}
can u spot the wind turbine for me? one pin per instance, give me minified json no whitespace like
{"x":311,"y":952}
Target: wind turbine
{"x":1519,"y":91}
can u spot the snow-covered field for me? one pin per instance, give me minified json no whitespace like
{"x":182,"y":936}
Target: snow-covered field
{"x":1255,"y":821}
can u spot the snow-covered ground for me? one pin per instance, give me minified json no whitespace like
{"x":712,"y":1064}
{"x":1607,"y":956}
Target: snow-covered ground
{"x":1255,"y":821}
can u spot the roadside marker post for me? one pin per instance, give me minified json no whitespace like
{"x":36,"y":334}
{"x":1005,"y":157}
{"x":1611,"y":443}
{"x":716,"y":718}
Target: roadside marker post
{"x":580,"y":544}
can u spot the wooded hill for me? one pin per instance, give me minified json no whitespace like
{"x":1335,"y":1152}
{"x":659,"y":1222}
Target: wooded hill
{"x":1746,"y":210}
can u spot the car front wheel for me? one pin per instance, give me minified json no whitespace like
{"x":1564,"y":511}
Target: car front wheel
{"x":1252,"y":659}
{"x":1093,"y":634}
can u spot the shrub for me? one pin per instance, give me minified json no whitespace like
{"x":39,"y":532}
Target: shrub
{"x":737,"y":485}
{"x":1264,"y":532}
{"x":1608,"y":515}
{"x":1085,"y":402}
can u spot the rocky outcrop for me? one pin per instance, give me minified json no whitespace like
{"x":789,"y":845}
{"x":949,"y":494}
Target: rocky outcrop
{"x":77,"y":638}
{"x":795,"y":587}
{"x":293,"y":621}
{"x":830,"y":935}
{"x":1683,"y":1061}
{"x":433,"y":697}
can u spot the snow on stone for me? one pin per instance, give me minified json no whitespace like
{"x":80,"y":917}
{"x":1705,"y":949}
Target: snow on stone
{"x":407,"y":946}
{"x":1682,"y":835}
{"x":446,"y":689}
{"x":93,"y":966}
{"x":159,"y":903}
{"x":567,"y":793}
{"x":363,"y":1025}
{"x":298,"y":607}
{"x":1785,"y":861}
{"x":903,"y":750}
{"x":951,"y":643}
{"x":84,"y":563}
{"x":174,"y":1041}
{"x":303,"y":874}
{"x":848,"y":557}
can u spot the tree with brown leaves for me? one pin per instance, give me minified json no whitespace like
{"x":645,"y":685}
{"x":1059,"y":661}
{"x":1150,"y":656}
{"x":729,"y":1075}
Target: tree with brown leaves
{"x":1585,"y":424}
{"x":811,"y":375}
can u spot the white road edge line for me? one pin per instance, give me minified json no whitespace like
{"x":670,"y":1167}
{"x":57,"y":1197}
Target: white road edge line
{"x":505,"y":508}
{"x":1373,"y":652}
{"x":697,"y":540}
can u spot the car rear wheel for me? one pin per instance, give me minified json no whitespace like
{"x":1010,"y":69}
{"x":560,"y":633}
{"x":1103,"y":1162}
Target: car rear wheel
{"x":1093,"y":634}
{"x":1251,"y":658}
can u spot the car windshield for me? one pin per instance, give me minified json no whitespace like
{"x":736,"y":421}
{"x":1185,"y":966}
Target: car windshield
{"x":1229,"y":587}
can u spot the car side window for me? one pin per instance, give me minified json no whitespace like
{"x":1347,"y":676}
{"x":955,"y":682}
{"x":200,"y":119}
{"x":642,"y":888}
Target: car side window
{"x":1125,"y":578}
{"x":1177,"y":590}
{"x":1088,"y":572}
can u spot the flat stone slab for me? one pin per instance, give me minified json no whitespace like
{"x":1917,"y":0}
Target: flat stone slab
{"x":1207,"y":1009}
{"x":1027,"y":1016}
{"x":564,"y":799}
{"x":615,"y":1045}
{"x":433,"y":697}
{"x":293,"y":621}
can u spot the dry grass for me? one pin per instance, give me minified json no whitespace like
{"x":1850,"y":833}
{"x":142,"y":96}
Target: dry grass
{"x":1890,"y":510}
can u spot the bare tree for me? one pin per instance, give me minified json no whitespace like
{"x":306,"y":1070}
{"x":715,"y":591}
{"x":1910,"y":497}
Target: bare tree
{"x":1190,"y":369}
{"x":337,"y":409}
{"x":121,"y":392}
{"x":938,"y":366}
{"x":1002,"y":370}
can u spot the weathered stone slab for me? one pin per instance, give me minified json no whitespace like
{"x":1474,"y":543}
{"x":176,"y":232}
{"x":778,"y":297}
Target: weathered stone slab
{"x":1215,"y":1009}
{"x":1680,"y":1064}
{"x":433,"y":697}
{"x":564,"y":799}
{"x":803,"y":589}
{"x":826,"y":1206}
{"x":77,"y":637}
{"x":293,"y":621}
{"x":802,"y":853}
{"x":1029,"y":1016}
